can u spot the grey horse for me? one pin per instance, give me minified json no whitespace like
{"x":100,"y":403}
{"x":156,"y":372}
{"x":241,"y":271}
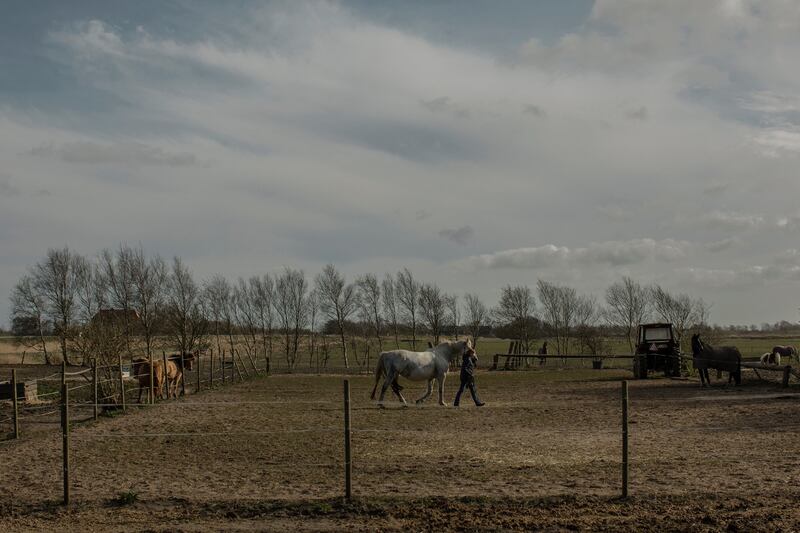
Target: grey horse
{"x":725,"y":358}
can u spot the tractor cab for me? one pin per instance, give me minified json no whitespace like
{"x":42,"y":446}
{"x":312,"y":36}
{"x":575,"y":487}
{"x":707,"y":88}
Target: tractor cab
{"x":657,"y":350}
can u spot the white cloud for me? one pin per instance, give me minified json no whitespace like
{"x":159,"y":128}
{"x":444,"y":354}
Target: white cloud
{"x":609,"y":253}
{"x":731,"y":221}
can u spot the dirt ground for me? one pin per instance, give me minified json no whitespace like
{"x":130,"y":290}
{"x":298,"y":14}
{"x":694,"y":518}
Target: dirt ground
{"x":544,"y":453}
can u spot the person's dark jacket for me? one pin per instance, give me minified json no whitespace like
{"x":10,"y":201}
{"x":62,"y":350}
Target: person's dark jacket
{"x":468,"y":365}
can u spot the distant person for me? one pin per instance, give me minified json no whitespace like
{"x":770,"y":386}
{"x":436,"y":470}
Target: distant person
{"x":468,"y":364}
{"x":542,"y":351}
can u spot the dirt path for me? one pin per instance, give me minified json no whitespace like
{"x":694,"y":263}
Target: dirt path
{"x":544,"y":452}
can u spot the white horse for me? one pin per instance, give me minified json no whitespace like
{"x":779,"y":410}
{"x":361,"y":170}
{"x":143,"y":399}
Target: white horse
{"x":418,"y":366}
{"x":773,"y":358}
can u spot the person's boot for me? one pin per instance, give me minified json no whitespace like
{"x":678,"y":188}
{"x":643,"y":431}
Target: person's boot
{"x":480,"y":404}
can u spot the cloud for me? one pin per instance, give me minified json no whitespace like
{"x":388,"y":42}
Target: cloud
{"x":122,"y":153}
{"x":7,"y":188}
{"x":534,"y":110}
{"x":609,"y":253}
{"x":640,"y":113}
{"x":444,"y":104}
{"x":615,"y":212}
{"x":716,"y":189}
{"x":730,"y":221}
{"x":777,"y":142}
{"x":721,"y":245}
{"x":462,"y":235}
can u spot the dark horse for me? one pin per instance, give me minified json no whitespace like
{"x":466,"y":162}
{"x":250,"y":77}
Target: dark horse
{"x":726,"y":358}
{"x":785,"y":351}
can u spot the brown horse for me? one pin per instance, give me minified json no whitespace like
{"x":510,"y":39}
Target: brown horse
{"x":142,"y":370}
{"x":175,"y":367}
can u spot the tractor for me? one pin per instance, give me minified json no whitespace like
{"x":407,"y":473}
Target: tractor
{"x":657,"y":350}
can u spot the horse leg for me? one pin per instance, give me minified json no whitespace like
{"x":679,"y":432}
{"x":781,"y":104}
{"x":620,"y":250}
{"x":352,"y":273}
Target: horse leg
{"x":387,"y":380}
{"x":427,"y":393}
{"x":440,"y":382}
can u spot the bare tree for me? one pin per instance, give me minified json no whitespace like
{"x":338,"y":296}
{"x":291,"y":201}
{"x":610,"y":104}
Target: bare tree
{"x":291,"y":308}
{"x":516,"y":308}
{"x":559,"y":306}
{"x":56,"y":280}
{"x":149,"y":281}
{"x":407,"y":293}
{"x":217,"y":296}
{"x":453,"y":313}
{"x":590,"y":336}
{"x":476,"y":316}
{"x":185,"y":321}
{"x":679,"y":310}
{"x":369,"y":292}
{"x":28,"y":303}
{"x":263,"y":291}
{"x":627,"y":306}
{"x":390,"y":306}
{"x":117,"y":269}
{"x":337,"y":300}
{"x":313,"y":314}
{"x":433,"y":308}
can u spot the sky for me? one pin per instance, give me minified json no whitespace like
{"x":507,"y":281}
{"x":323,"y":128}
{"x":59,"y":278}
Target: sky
{"x":478,"y":143}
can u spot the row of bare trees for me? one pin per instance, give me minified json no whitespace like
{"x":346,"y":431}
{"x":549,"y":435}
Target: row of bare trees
{"x":124,"y":301}
{"x":574,"y":320}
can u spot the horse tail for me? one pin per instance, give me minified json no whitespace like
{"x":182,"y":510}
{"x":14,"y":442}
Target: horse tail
{"x":378,"y":374}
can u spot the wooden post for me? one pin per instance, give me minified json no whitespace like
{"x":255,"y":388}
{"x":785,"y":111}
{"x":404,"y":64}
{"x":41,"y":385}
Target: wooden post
{"x":151,"y":394}
{"x":63,"y":372}
{"x":348,"y":465}
{"x":94,"y":385}
{"x":183,"y":376}
{"x":242,"y":365}
{"x":268,"y":365}
{"x":166,"y":374}
{"x":252,"y":362}
{"x":121,"y":383}
{"x":15,"y":401}
{"x":65,"y":438}
{"x":624,"y":439}
{"x":222,"y":356}
{"x":197,"y":388}
{"x":787,"y":370}
{"x":211,"y":370}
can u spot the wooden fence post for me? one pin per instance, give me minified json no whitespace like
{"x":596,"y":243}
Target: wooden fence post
{"x":211,"y":370}
{"x":197,"y":388}
{"x":166,"y":374}
{"x":63,"y":372}
{"x":348,"y":465}
{"x":222,"y":363}
{"x":151,"y":394}
{"x":94,"y":385}
{"x":15,"y":401}
{"x":183,"y":376}
{"x":121,"y":383}
{"x":787,"y":370}
{"x":65,"y":439}
{"x":624,"y":439}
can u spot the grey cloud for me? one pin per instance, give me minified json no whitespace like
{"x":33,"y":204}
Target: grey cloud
{"x":534,"y":110}
{"x":421,"y":214}
{"x":462,"y":235}
{"x":7,"y":188}
{"x":444,"y":104}
{"x":640,"y":113}
{"x":716,"y":189}
{"x":615,"y":212}
{"x":124,"y":153}
{"x":609,"y":253}
{"x":722,"y":245}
